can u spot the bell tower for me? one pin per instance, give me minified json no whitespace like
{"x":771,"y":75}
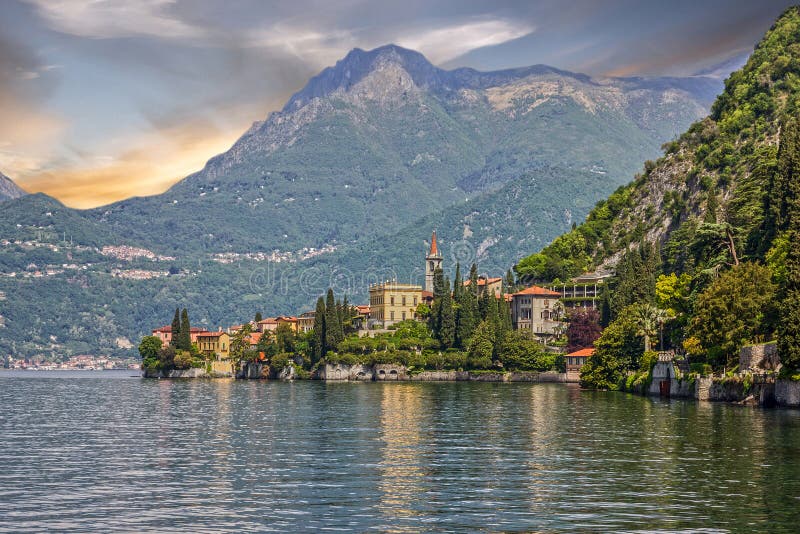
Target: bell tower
{"x":433,"y":261}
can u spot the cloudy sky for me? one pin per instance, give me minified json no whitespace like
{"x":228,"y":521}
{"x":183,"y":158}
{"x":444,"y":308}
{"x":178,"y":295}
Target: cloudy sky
{"x":104,"y":99}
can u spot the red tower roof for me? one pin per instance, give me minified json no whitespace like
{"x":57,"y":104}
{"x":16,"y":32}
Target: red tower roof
{"x":434,"y":248}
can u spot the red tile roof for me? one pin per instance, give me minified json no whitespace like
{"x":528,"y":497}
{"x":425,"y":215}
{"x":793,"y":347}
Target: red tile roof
{"x":538,"y":291}
{"x":269,"y":320}
{"x":255,"y":337}
{"x":210,"y":334}
{"x":582,"y":352}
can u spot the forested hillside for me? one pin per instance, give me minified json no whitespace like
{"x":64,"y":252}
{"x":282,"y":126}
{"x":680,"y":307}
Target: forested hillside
{"x":703,"y":234}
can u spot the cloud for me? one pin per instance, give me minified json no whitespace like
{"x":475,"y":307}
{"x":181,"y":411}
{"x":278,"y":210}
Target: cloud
{"x":115,"y":18}
{"x":444,"y":43}
{"x":152,"y":163}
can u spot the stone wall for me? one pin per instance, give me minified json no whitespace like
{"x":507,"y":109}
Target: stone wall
{"x":392,"y":372}
{"x":222,"y":369}
{"x":176,"y":373}
{"x":787,"y":393}
{"x":759,"y":357}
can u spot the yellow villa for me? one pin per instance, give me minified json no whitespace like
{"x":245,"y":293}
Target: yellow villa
{"x":390,"y":302}
{"x":214,"y":344}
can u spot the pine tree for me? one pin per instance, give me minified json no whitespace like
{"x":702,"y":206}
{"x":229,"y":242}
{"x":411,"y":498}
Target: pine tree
{"x":258,"y":317}
{"x":318,"y":339}
{"x":333,"y":326}
{"x":185,"y":340}
{"x":176,"y":329}
{"x":789,"y":218}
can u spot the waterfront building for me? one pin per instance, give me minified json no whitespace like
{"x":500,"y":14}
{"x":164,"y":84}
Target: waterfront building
{"x":576,"y":360}
{"x":391,"y":302}
{"x":214,"y":344}
{"x":534,"y":310}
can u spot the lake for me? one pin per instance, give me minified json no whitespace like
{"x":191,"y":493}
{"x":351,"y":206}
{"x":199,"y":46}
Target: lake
{"x":108,"y":451}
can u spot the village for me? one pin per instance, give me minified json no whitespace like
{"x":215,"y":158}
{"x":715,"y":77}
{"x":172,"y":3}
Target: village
{"x":535,"y":312}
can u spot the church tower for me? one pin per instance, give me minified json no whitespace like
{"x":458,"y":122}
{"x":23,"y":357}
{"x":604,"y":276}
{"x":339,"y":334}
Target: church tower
{"x":433,"y":261}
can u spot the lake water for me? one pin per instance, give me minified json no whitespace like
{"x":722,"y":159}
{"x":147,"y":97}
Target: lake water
{"x":104,"y":451}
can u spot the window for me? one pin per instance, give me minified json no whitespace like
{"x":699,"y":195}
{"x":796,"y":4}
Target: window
{"x":404,"y":303}
{"x":404,"y":316}
{"x":392,"y":301}
{"x":546,"y":303}
{"x":415,"y":302}
{"x":392,"y":316}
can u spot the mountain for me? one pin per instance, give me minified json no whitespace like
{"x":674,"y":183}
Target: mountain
{"x":384,"y":137}
{"x":8,"y":189}
{"x":712,"y":192}
{"x":339,"y":187}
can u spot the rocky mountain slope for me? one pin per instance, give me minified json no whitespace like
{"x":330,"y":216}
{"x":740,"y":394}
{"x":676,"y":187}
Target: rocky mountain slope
{"x":341,"y":186}
{"x":8,"y":189}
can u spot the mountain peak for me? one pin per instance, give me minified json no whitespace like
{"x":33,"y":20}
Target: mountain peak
{"x":8,"y":189}
{"x":358,"y":64}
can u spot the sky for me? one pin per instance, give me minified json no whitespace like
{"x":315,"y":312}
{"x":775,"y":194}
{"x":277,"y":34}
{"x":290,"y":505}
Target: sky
{"x":101,"y":100}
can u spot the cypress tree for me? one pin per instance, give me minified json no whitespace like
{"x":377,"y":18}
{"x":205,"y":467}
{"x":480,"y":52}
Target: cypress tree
{"x":473,"y":280}
{"x":446,"y":320}
{"x":333,"y":326}
{"x":789,"y":218}
{"x":185,"y":341}
{"x":438,"y":293}
{"x":483,"y":306}
{"x":258,"y":317}
{"x":176,"y":329}
{"x":510,"y":284}
{"x":464,"y":311}
{"x":318,"y":339}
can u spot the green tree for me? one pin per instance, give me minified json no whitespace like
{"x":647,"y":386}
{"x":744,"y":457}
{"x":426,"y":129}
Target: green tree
{"x":240,"y":343}
{"x":333,"y":326}
{"x":649,"y":319}
{"x":519,"y":352}
{"x":618,"y":349}
{"x":258,"y":318}
{"x":737,"y":308}
{"x":789,"y":218}
{"x":481,"y":346}
{"x":510,"y":285}
{"x":464,"y":305}
{"x":473,"y":280}
{"x":149,"y":348}
{"x":185,"y":339}
{"x":446,"y":321}
{"x":318,"y":347}
{"x":176,"y":329}
{"x":284,"y":338}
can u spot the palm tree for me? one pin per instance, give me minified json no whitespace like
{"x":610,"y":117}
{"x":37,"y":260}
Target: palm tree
{"x":649,"y":319}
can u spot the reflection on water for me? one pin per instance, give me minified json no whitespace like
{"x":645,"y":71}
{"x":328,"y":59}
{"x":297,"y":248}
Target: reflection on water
{"x":92,"y":453}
